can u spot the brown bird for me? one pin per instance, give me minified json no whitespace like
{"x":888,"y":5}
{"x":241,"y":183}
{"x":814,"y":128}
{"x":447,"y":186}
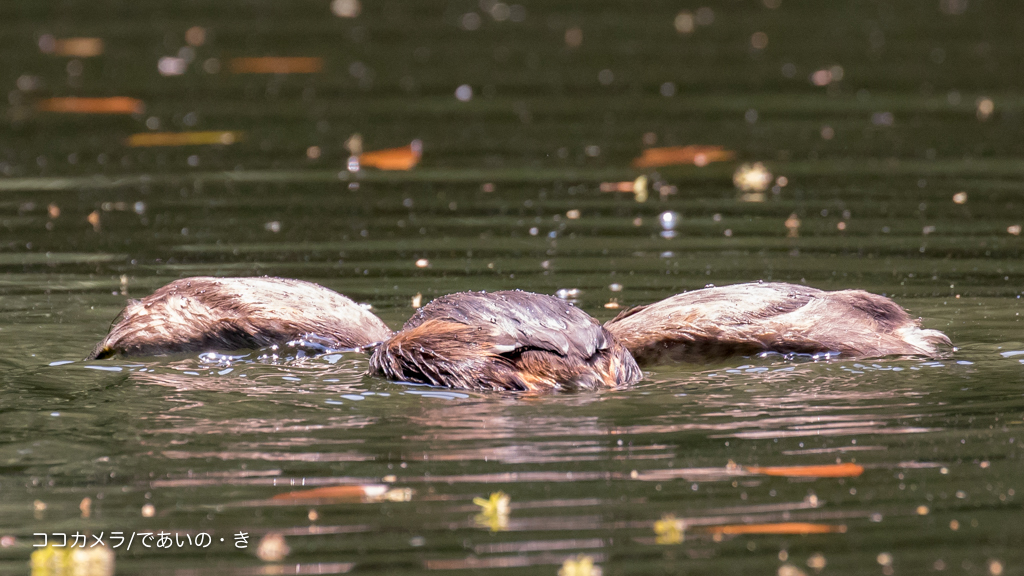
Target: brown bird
{"x":717,"y":322}
{"x":508,"y":340}
{"x":221,"y":314}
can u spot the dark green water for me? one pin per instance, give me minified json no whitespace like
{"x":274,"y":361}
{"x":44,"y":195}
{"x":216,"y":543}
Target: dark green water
{"x":205,"y":443}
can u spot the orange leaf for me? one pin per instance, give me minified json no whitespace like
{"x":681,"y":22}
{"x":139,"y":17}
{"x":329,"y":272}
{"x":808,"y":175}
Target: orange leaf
{"x":693,"y":154}
{"x":182,"y":138}
{"x":779,"y":528}
{"x":824,"y":471}
{"x":78,"y":47}
{"x":277,"y":65}
{"x":74,"y":105}
{"x":345,"y":493}
{"x":404,"y":158}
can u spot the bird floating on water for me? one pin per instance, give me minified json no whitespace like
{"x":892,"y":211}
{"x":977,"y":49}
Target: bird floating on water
{"x":515,"y":340}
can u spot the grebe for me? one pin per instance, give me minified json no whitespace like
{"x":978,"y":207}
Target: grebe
{"x":748,"y":318}
{"x":204,"y":313}
{"x":509,"y":340}
{"x":514,"y":340}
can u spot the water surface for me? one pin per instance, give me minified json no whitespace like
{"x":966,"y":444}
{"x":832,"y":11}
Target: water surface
{"x":922,"y":466}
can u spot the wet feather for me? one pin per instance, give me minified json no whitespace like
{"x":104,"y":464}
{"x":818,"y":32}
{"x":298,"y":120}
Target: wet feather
{"x":716,"y":322}
{"x":508,"y":340}
{"x":205,"y":314}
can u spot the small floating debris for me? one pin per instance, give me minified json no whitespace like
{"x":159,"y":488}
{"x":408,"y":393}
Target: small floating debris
{"x":346,"y":8}
{"x":985,"y":108}
{"x":54,"y":560}
{"x":574,"y":37}
{"x":788,"y":569}
{"x":612,"y":304}
{"x":276,"y":65}
{"x":195,"y":36}
{"x":272,"y":547}
{"x":404,"y":158}
{"x":172,"y":66}
{"x":669,"y":530}
{"x":581,"y":565}
{"x":684,"y":22}
{"x":960,"y":198}
{"x":76,"y":47}
{"x":816,"y":562}
{"x":798,"y":528}
{"x":422,"y":263}
{"x":212,"y":137}
{"x":497,"y":503}
{"x":1015,"y":229}
{"x":148,"y":511}
{"x":694,"y":154}
{"x":354,"y":144}
{"x":494,"y":511}
{"x":464,"y":93}
{"x":845,"y":470}
{"x":793,"y":226}
{"x":76,"y":105}
{"x":637,"y":187}
{"x":752,"y":178}
{"x":417,"y":300}
{"x":826,"y":76}
{"x":28,"y":83}
{"x":568,"y":293}
{"x":350,"y":493}
{"x":759,"y":40}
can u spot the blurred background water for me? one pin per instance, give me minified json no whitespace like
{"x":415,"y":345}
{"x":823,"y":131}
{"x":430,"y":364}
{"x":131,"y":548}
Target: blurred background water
{"x":613,"y":153}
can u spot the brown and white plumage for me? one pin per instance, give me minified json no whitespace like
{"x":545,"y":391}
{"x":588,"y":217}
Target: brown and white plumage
{"x":748,"y":318}
{"x":508,"y":340}
{"x":205,"y":313}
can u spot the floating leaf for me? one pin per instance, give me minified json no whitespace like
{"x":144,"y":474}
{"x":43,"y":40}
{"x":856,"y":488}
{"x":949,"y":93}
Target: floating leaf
{"x":350,"y":493}
{"x":277,"y":65}
{"x":846,"y":470}
{"x":404,"y":158}
{"x":696,"y":155}
{"x":183,"y":138}
{"x":581,"y":565}
{"x":778,"y":528}
{"x":75,"y":105}
{"x":670,"y":530}
{"x":494,"y":511}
